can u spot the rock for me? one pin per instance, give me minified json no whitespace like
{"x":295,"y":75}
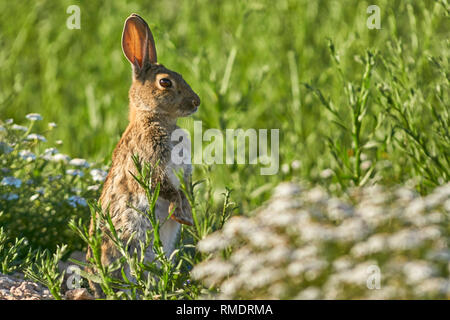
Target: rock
{"x":78,"y":294}
{"x":14,"y":287}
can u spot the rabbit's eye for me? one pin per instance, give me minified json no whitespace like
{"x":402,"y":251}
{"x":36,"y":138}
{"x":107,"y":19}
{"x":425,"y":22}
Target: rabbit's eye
{"x":165,"y":83}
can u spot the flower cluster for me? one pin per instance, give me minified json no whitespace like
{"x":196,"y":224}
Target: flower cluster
{"x":41,"y":188}
{"x":306,"y":244}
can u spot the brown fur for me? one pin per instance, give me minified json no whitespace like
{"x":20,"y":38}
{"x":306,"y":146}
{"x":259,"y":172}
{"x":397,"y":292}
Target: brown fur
{"x":153,"y":111}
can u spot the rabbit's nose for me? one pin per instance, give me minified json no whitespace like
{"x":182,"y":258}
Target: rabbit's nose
{"x":196,"y":101}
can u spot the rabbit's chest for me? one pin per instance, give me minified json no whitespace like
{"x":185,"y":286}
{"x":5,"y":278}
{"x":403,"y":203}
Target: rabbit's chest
{"x":180,"y":160}
{"x":140,"y":224}
{"x":172,"y":169}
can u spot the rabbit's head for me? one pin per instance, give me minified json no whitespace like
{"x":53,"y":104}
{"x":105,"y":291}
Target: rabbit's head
{"x":155,"y":88}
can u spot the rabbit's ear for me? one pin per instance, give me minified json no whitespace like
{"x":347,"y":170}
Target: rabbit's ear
{"x":137,"y":42}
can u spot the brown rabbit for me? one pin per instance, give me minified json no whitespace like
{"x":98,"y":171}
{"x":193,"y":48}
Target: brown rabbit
{"x":158,"y":96}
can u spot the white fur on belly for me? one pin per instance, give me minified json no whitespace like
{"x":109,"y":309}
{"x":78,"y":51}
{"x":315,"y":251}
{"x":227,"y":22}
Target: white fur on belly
{"x":169,"y":229}
{"x":179,"y":161}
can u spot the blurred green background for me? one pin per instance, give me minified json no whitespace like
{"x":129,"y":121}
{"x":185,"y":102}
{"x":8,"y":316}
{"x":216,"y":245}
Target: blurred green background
{"x":248,"y":61}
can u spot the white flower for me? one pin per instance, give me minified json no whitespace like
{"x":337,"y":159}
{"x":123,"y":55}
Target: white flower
{"x":357,"y":275}
{"x":342,"y":264}
{"x":10,"y":196}
{"x":430,"y":233}
{"x":310,"y":293}
{"x":315,"y":232}
{"x":34,"y":196}
{"x":230,"y":286}
{"x":59,"y":142}
{"x":60,"y":157}
{"x":278,"y":254}
{"x":76,"y":200}
{"x":387,"y":292}
{"x":239,"y":256}
{"x":253,"y":263}
{"x":304,"y":252}
{"x":416,"y":207}
{"x":52,"y":125}
{"x":94,"y":187}
{"x":98,"y":175}
{"x":35,"y":136}
{"x":338,"y":210}
{"x":75,"y":172}
{"x":296,"y":164}
{"x":33,"y":116}
{"x":262,"y":238}
{"x":405,"y":194}
{"x":353,"y":229}
{"x":285,"y":168}
{"x":77,"y":162}
{"x":443,"y":190}
{"x":281,"y":218}
{"x":439,"y":255}
{"x":213,"y":242}
{"x":327,"y":173}
{"x":11,"y":181}
{"x":286,"y":189}
{"x":405,"y":240}
{"x":213,"y":270}
{"x":51,"y":151}
{"x":416,"y":271}
{"x":19,"y":128}
{"x":317,"y":195}
{"x":237,"y":225}
{"x":435,"y":199}
{"x":27,"y":155}
{"x":298,"y":267}
{"x":366,"y":164}
{"x":375,"y":195}
{"x":372,"y":214}
{"x":263,"y":277}
{"x":433,"y":286}
{"x":374,"y":244}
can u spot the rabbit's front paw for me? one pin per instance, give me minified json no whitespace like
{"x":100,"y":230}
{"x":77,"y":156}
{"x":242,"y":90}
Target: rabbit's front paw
{"x":181,"y":215}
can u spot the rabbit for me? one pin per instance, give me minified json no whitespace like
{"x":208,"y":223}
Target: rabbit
{"x":158,"y":96}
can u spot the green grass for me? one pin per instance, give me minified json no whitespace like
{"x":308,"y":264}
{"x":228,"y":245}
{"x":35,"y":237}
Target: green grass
{"x":246,"y":60}
{"x":354,"y":106}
